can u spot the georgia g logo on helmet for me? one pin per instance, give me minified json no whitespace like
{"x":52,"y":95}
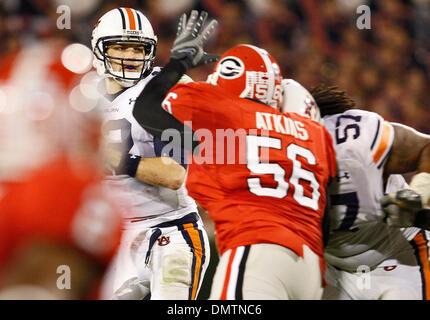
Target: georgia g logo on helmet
{"x":231,"y":68}
{"x":249,"y":72}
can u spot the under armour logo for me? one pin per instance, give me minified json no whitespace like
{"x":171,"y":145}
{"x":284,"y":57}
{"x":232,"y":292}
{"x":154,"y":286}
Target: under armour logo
{"x":163,"y":241}
{"x":130,"y":101}
{"x":345,"y":176}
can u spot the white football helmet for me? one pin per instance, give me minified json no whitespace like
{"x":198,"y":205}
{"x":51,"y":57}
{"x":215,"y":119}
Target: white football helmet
{"x":123,"y":26}
{"x":297,"y":99}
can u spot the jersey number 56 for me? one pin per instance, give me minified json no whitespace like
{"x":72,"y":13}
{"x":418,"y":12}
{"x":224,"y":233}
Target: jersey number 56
{"x":254,"y":164}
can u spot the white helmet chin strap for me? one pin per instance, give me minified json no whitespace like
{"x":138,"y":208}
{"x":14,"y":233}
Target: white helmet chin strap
{"x":124,"y":82}
{"x":134,"y":77}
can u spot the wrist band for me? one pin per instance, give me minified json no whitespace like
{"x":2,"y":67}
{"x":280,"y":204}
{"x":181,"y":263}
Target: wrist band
{"x":132,"y":164}
{"x":129,"y":164}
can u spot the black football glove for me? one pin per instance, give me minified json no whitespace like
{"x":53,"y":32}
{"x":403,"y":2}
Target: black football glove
{"x":190,"y":40}
{"x":401,"y":208}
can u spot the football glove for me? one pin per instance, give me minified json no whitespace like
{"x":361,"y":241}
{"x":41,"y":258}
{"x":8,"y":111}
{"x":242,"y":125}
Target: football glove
{"x":401,"y":208}
{"x":191,"y":38}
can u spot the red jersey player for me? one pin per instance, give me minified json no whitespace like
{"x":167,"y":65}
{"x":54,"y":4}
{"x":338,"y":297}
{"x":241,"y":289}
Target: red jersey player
{"x":55,"y":218}
{"x":267,"y":199}
{"x":58,"y":229}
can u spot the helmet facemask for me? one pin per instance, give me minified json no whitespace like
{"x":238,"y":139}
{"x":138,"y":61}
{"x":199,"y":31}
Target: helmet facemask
{"x":123,"y":77}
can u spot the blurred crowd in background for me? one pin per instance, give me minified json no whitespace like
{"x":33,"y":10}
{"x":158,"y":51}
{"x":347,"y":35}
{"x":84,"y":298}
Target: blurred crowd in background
{"x":385,"y":68}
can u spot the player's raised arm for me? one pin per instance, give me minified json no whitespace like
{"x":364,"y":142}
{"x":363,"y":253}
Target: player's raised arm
{"x":410,"y":152}
{"x":187,"y":52}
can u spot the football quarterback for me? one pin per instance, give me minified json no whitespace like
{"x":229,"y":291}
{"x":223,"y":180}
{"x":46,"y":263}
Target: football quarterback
{"x":164,"y":250}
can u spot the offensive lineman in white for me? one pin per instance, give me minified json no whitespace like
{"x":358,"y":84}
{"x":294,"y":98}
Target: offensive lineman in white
{"x":367,"y":255}
{"x":165,"y":250}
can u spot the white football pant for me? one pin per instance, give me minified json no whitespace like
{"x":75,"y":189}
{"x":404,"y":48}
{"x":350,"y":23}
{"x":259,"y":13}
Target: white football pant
{"x":167,"y":262}
{"x":405,"y":278}
{"x":267,"y":272}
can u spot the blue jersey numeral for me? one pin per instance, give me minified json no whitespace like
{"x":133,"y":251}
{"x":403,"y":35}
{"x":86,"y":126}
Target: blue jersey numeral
{"x":353,"y":128}
{"x":350,"y":200}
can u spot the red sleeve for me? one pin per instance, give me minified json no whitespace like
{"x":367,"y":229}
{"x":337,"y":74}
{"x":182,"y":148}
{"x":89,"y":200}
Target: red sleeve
{"x":331,"y":154}
{"x":190,"y":102}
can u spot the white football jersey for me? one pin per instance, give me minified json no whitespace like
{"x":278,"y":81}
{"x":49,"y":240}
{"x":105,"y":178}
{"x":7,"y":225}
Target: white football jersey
{"x":358,"y":236}
{"x":153,"y":204}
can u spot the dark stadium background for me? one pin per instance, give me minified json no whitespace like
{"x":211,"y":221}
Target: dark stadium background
{"x":385,"y":69}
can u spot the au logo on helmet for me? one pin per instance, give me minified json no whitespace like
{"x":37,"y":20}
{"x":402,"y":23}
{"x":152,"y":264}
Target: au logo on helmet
{"x":310,"y":105}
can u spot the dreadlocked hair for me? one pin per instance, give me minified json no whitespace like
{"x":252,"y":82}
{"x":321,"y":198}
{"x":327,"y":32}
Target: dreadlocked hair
{"x":331,"y":100}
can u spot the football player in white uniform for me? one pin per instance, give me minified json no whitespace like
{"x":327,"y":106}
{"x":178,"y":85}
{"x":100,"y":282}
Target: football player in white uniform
{"x":165,"y":250}
{"x":368,"y":255}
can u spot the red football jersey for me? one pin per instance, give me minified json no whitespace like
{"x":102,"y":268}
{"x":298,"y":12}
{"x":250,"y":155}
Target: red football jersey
{"x":59,"y":203}
{"x":269,"y":186}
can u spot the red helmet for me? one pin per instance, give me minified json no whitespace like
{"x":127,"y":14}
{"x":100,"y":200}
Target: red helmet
{"x":249,"y":72}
